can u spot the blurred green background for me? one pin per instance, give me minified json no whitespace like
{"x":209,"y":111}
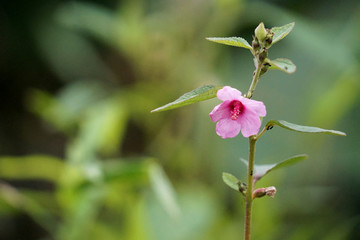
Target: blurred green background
{"x":81,"y":157}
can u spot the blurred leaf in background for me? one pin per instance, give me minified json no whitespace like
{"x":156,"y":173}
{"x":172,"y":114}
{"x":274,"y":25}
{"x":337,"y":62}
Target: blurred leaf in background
{"x":83,"y":158}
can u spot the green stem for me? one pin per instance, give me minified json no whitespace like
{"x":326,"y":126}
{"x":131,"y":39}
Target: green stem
{"x":255,"y":80}
{"x":248,"y":197}
{"x":262,"y":131}
{"x":259,"y":58}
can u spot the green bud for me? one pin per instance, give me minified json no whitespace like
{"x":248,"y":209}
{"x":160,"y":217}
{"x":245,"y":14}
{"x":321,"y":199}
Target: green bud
{"x":242,"y":188}
{"x":263,"y":55}
{"x":269,"y":39}
{"x":260,"y":32}
{"x":263,"y":70}
{"x":255,"y":45}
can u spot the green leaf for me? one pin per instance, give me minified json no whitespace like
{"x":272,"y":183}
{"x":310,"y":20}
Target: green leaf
{"x":231,"y":41}
{"x":100,"y":131}
{"x":231,"y":181}
{"x":299,"y":128}
{"x":281,"y":32}
{"x":282,"y":64}
{"x":199,"y":212}
{"x":82,"y":213}
{"x":262,"y":170}
{"x":346,"y":88}
{"x":197,"y":95}
{"x":289,"y":162}
{"x":164,"y":190}
{"x":31,"y":167}
{"x":20,"y":201}
{"x":126,"y":170}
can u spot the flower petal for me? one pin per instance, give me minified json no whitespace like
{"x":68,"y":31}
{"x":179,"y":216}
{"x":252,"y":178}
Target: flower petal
{"x":228,"y":93}
{"x":227,"y":128}
{"x":220,"y":111}
{"x":256,"y":106}
{"x":250,"y":123}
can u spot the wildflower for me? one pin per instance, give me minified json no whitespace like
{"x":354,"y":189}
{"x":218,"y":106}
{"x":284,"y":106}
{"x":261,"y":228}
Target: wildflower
{"x":236,"y":113}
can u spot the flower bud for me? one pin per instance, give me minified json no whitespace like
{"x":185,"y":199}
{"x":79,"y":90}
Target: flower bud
{"x":242,"y":188}
{"x":255,"y":44}
{"x":260,"y":32}
{"x":260,"y":192}
{"x":270,"y":191}
{"x":263,"y":55}
{"x":269,"y":39}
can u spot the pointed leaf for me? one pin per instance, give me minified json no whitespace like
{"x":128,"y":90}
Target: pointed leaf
{"x":200,"y":94}
{"x":231,"y":181}
{"x":299,"y":128}
{"x":282,"y":64}
{"x":262,"y":170}
{"x":281,"y":32}
{"x":289,"y":162}
{"x":234,"y":183}
{"x":231,"y":41}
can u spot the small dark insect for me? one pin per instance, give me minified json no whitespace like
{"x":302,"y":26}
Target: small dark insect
{"x":251,"y":173}
{"x":267,"y":64}
{"x":269,"y":127}
{"x":286,"y":68}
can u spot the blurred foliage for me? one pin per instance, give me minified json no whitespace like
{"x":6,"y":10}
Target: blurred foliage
{"x":83,"y":158}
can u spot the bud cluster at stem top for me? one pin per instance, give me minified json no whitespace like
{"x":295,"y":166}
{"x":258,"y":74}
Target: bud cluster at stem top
{"x":263,"y":37}
{"x":261,"y":43}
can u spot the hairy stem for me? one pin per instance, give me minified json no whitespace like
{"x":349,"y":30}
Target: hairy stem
{"x":259,"y":60}
{"x":248,"y":197}
{"x":266,"y":128}
{"x":255,"y":80}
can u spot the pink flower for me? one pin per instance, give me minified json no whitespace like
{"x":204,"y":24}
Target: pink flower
{"x":236,"y":113}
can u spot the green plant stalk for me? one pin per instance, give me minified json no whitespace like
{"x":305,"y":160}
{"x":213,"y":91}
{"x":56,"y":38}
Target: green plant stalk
{"x":255,"y":80}
{"x":252,"y":142}
{"x":262,"y":131}
{"x":250,"y":180}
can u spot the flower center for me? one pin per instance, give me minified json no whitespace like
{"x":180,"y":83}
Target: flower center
{"x":236,"y":108}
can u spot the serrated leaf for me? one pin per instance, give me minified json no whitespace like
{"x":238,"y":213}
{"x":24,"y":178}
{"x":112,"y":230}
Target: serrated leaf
{"x":281,"y":32}
{"x":282,"y":64}
{"x":231,"y":181}
{"x":197,"y":95}
{"x":304,"y":129}
{"x":262,"y":170}
{"x":231,"y":41}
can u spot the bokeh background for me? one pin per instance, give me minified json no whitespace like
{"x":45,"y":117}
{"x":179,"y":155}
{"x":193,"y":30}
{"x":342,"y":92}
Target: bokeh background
{"x":81,"y":157}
